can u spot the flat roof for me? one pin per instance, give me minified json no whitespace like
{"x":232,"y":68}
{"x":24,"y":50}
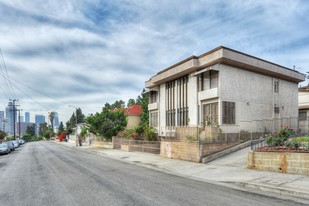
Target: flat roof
{"x":226,"y":56}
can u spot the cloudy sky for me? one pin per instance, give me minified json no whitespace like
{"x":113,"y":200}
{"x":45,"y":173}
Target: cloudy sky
{"x":86,"y":53}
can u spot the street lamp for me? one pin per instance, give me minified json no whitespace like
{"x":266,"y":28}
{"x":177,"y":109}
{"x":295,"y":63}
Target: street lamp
{"x":76,"y":123}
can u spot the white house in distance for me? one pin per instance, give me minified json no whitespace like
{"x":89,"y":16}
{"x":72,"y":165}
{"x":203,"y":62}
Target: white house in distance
{"x":223,"y":88}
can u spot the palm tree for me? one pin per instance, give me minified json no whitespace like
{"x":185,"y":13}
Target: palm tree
{"x":51,"y":118}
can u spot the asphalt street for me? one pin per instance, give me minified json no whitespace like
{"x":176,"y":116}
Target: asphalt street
{"x":44,"y":173}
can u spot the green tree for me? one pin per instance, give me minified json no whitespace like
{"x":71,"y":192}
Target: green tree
{"x":143,"y":100}
{"x":2,"y":134}
{"x":51,"y":119}
{"x":118,"y":104}
{"x":72,"y":122}
{"x":27,"y":137}
{"x":131,"y":102}
{"x":60,"y":128}
{"x":42,"y":128}
{"x":107,"y":123}
{"x":47,"y":134}
{"x":31,"y":130}
{"x":80,"y":116}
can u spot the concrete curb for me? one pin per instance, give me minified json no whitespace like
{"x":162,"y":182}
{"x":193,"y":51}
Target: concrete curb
{"x":298,"y":196}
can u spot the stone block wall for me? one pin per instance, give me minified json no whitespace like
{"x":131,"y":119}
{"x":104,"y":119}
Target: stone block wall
{"x":284,"y":162}
{"x":180,"y":150}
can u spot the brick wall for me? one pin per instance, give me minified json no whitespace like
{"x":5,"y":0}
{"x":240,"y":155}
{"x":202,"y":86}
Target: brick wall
{"x":180,"y":150}
{"x":285,"y":162}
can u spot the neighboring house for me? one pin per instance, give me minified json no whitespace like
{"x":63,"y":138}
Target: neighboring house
{"x":134,"y":115}
{"x":303,"y":106}
{"x":224,"y":88}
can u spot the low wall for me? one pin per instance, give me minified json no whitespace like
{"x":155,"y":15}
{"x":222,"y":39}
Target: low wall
{"x":180,"y":150}
{"x":101,"y":144}
{"x":212,"y":148}
{"x":135,"y":145}
{"x":284,"y":162}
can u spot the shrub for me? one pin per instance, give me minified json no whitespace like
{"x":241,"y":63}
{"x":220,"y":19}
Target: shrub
{"x":298,"y":142}
{"x":149,"y":133}
{"x":27,"y":137}
{"x":280,"y":138}
{"x":123,"y":134}
{"x":192,"y":138}
{"x":292,"y":145}
{"x":84,"y":132}
{"x":62,"y":136}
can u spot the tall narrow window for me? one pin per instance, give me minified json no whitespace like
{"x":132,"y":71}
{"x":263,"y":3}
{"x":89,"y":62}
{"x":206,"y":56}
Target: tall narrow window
{"x":182,"y":104}
{"x":154,"y":119}
{"x":170,"y":103}
{"x":228,"y":112}
{"x":276,"y":86}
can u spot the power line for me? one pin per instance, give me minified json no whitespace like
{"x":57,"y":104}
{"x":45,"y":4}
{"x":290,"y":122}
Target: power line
{"x":39,"y":92}
{"x":7,"y":74}
{"x":3,"y":88}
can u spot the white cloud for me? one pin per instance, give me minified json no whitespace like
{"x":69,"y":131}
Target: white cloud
{"x":87,"y":54}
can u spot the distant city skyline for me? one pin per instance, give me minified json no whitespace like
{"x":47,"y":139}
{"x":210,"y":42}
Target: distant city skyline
{"x":7,"y":120}
{"x":27,"y":117}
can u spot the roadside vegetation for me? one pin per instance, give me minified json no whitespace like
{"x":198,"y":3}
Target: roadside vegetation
{"x":112,"y":121}
{"x":285,"y":140}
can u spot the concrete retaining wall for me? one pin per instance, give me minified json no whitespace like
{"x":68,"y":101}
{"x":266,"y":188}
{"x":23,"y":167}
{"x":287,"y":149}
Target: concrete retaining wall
{"x":284,"y":162}
{"x":209,"y":149}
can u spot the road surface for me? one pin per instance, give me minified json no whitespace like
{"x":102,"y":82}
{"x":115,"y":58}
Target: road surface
{"x":46,"y":173}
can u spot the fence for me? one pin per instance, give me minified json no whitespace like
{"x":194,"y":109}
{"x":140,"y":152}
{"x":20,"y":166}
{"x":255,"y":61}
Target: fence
{"x":257,"y":143}
{"x":303,"y":126}
{"x":243,"y":131}
{"x":137,"y":145}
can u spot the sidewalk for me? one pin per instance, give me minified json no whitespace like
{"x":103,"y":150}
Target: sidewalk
{"x":229,"y":171}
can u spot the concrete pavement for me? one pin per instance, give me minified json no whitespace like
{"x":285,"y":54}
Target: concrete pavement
{"x":229,"y":171}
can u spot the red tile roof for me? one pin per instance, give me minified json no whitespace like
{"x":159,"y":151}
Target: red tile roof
{"x":136,"y":109}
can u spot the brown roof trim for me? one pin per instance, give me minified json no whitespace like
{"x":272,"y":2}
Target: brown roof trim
{"x":224,"y":60}
{"x":233,"y":50}
{"x":179,"y":63}
{"x":255,"y":69}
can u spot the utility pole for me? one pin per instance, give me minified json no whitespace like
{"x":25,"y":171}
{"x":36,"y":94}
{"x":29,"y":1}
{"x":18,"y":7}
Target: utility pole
{"x":14,"y":115}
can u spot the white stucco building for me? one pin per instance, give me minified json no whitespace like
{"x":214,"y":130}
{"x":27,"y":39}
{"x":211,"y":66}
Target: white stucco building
{"x":226,"y":88}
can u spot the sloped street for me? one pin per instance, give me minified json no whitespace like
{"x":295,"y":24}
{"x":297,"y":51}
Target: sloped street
{"x":45,"y":173}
